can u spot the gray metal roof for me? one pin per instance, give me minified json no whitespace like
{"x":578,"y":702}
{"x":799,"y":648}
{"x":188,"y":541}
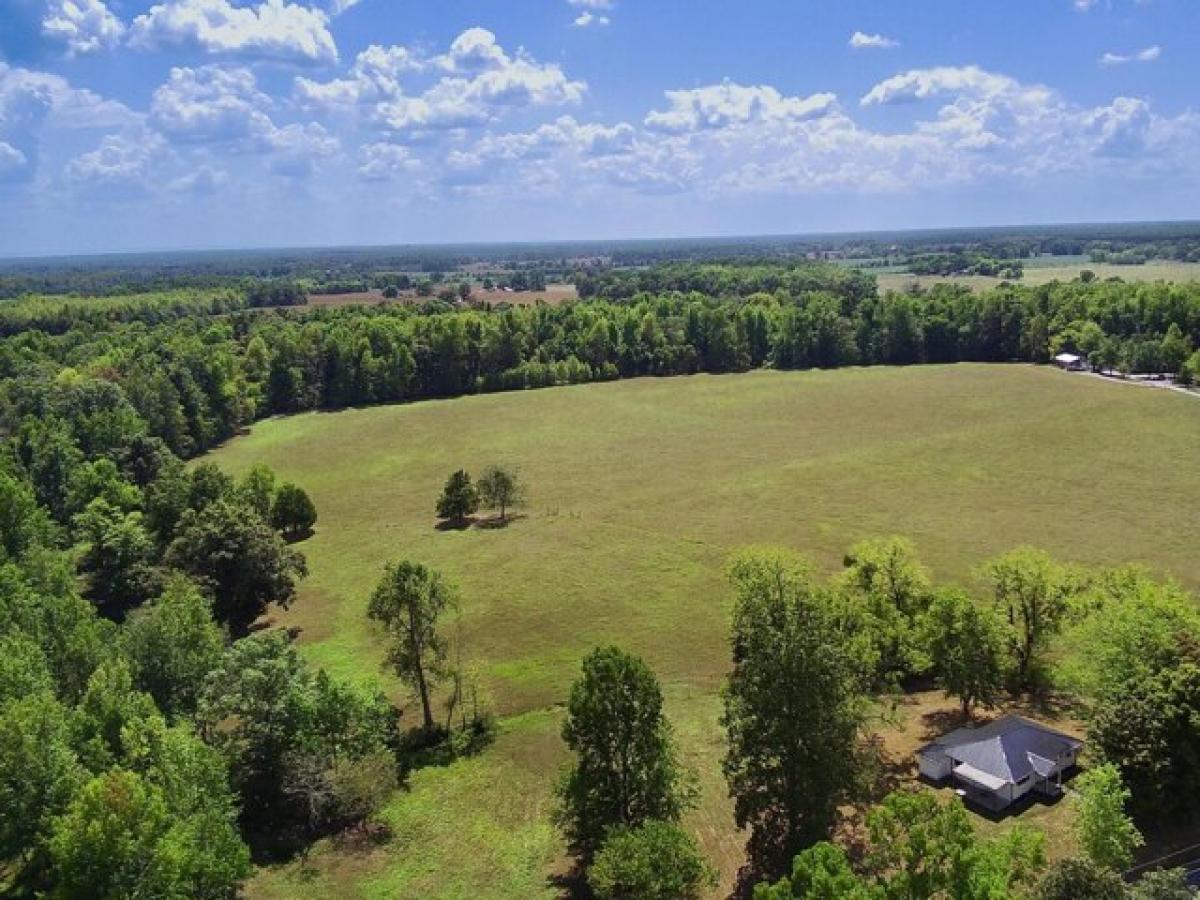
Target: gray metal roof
{"x":1011,"y":748}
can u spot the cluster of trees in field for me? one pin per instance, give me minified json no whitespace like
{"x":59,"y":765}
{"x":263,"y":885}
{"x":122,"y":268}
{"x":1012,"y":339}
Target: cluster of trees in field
{"x":1135,"y":254}
{"x":811,"y":664}
{"x":966,"y":263}
{"x":499,"y":488}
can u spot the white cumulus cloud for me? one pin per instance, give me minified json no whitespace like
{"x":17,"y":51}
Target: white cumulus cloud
{"x":274,"y":30}
{"x":587,"y":18}
{"x":82,"y":26}
{"x":222,"y":107}
{"x":920,"y":84}
{"x":13,"y":163}
{"x":381,"y":161}
{"x":32,"y":102}
{"x":121,"y":161}
{"x":593,"y":13}
{"x":735,"y":141}
{"x":1149,"y":54}
{"x":474,"y":82}
{"x":211,"y":104}
{"x":863,"y":41}
{"x":722,"y":105}
{"x":202,"y":181}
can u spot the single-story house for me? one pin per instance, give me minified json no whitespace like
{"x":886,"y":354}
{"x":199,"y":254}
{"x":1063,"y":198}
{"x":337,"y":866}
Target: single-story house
{"x":1069,"y":361}
{"x":996,"y":764}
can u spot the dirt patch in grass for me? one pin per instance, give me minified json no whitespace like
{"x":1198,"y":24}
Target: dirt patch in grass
{"x":554,"y":294}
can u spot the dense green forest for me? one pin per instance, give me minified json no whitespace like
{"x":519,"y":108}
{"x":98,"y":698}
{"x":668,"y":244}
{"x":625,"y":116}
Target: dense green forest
{"x":149,"y":737}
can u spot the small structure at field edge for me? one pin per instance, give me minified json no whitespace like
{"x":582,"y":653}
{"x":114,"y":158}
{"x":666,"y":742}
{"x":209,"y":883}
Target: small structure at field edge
{"x":997,"y":764}
{"x":1069,"y":361}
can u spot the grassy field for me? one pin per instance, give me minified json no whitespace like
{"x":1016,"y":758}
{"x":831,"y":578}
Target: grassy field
{"x":1053,"y":269}
{"x":639,"y":491}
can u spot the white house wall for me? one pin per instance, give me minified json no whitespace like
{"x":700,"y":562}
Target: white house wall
{"x":935,"y":766}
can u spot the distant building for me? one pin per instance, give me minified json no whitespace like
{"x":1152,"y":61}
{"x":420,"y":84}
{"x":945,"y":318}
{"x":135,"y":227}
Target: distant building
{"x":1069,"y":361}
{"x":997,"y":764}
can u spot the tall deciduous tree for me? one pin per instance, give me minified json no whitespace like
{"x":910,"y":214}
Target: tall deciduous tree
{"x":293,"y":512}
{"x":229,"y":548}
{"x":257,"y":487}
{"x":459,"y":497}
{"x":626,"y":771}
{"x":121,"y":837}
{"x":793,"y":706}
{"x":118,"y":555}
{"x":1032,"y":592}
{"x":966,"y":649}
{"x":500,"y":487}
{"x":1106,"y":833}
{"x":172,"y":645}
{"x":407,"y":602}
{"x":891,"y":590}
{"x":39,"y":773}
{"x":264,"y":709}
{"x":1150,"y":729}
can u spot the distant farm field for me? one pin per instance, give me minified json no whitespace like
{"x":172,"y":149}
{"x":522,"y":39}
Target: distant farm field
{"x":640,"y":490}
{"x":553,"y":294}
{"x":1051,"y":269}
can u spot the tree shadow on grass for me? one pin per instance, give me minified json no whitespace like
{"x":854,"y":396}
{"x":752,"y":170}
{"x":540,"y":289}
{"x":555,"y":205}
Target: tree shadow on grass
{"x":881,"y":771}
{"x":572,"y":884}
{"x":939,"y":722}
{"x":484,"y":522}
{"x":497,"y":522}
{"x":421,"y":748}
{"x":272,"y":846}
{"x":455,"y":524}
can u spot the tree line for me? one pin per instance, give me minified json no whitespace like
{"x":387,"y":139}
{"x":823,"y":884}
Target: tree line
{"x":195,"y":379}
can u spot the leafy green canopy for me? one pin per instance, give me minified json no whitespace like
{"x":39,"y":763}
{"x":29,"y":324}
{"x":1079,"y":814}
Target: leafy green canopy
{"x":654,"y":861}
{"x":919,"y":847}
{"x":793,"y":705}
{"x":626,"y":770}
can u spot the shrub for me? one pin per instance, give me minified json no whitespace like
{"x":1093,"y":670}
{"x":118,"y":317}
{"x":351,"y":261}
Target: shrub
{"x":655,"y":861}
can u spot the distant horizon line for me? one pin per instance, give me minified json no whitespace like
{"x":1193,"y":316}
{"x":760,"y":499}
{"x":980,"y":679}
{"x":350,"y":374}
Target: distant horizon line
{"x":697,"y":238}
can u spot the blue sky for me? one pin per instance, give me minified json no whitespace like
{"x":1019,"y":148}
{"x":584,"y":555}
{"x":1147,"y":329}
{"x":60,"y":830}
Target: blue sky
{"x":228,"y":123}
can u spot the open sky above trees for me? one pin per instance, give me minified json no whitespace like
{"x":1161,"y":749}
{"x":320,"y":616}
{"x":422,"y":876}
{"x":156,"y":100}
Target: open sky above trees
{"x":188,"y":123}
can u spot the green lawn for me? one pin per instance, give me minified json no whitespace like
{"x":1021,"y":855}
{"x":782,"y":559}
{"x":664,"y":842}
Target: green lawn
{"x":639,"y":491}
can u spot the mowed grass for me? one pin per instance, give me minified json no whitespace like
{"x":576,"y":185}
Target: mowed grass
{"x":639,"y":492}
{"x":1044,"y":271}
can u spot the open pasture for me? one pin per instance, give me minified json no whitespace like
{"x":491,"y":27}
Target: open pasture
{"x":639,"y":491}
{"x":1047,"y":269}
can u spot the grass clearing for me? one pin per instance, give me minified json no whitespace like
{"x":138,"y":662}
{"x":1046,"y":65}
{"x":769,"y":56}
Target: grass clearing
{"x":639,"y":491}
{"x":1050,"y":269}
